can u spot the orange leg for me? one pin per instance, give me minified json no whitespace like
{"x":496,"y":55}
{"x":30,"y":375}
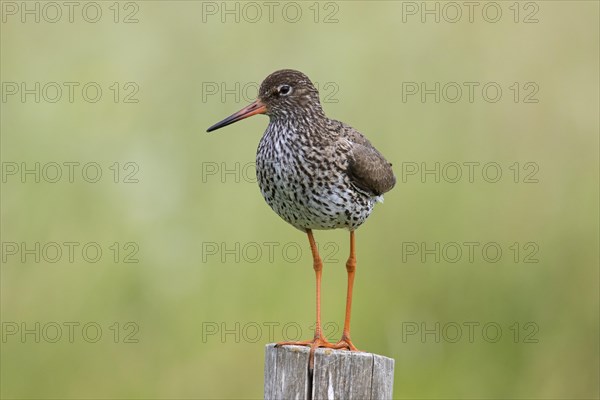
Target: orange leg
{"x":345,"y":342}
{"x":319,"y":340}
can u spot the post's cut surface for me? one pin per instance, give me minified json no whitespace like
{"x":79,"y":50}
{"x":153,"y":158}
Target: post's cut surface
{"x":338,"y":374}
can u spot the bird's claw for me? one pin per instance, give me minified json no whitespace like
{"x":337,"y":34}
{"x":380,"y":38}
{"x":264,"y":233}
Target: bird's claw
{"x":314,"y":344}
{"x":345,"y":343}
{"x":317,"y":342}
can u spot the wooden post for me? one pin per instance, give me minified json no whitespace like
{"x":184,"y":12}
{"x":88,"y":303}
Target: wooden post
{"x":338,"y":374}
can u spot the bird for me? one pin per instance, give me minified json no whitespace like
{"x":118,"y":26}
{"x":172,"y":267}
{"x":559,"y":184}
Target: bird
{"x":316,"y":173}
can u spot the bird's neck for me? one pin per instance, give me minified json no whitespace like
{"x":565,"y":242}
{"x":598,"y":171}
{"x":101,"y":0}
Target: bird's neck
{"x":307,"y":128}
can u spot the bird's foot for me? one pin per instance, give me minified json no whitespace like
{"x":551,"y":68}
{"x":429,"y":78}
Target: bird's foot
{"x":318,"y":341}
{"x":345,"y":343}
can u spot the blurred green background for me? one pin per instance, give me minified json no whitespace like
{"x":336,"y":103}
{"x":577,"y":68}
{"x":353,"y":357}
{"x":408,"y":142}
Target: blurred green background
{"x":191,"y":318}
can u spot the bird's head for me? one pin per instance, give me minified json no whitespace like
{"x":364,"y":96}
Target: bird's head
{"x":286,"y":93}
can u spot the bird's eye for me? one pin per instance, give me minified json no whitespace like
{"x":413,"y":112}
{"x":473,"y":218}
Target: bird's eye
{"x":284,"y":90}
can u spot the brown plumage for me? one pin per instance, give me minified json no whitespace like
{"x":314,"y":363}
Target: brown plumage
{"x":368,"y":169}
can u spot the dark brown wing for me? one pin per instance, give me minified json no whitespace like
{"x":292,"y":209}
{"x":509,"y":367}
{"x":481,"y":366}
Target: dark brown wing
{"x":367,"y":168}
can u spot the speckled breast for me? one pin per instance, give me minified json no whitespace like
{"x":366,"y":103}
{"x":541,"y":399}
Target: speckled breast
{"x":307,"y":185}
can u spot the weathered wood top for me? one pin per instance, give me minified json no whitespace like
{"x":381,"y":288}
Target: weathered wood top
{"x":338,"y":374}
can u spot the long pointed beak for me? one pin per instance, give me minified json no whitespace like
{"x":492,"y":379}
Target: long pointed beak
{"x":254,"y":108}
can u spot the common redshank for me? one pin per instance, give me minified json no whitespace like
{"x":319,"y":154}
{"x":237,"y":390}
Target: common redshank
{"x":315,"y":173}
